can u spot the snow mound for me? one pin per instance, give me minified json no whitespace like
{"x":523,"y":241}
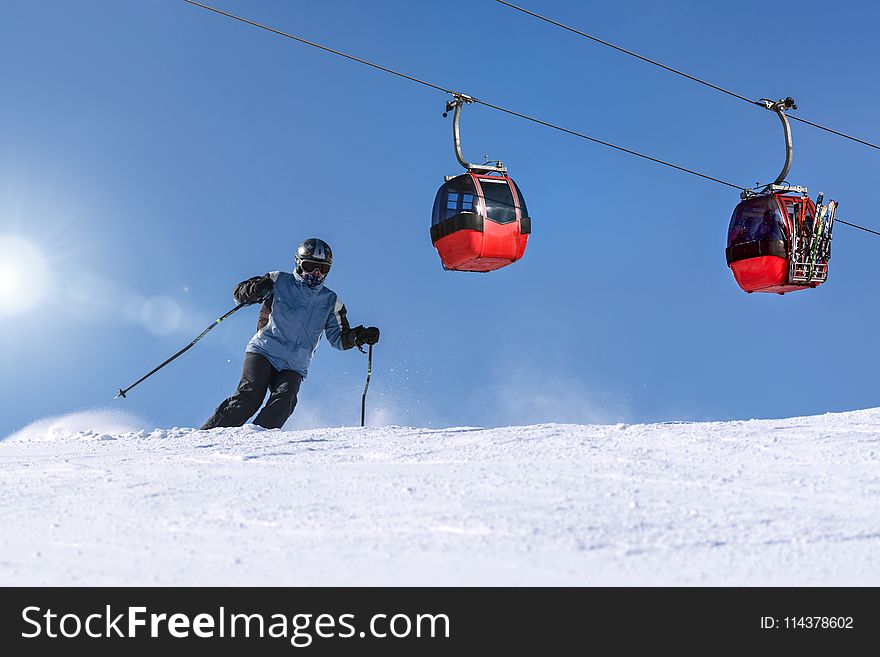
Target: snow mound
{"x":96,"y":424}
{"x":95,"y":500}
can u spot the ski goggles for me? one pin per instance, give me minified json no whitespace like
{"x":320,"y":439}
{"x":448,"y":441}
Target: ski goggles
{"x":309,"y":266}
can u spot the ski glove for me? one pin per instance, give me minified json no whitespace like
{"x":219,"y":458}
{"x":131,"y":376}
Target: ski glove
{"x":264,"y":288}
{"x":366,"y":335}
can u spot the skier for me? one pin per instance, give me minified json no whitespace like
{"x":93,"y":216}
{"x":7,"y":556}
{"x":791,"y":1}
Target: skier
{"x":768,"y":229}
{"x":296,"y":309}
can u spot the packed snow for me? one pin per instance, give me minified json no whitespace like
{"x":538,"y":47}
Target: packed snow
{"x":89,"y":500}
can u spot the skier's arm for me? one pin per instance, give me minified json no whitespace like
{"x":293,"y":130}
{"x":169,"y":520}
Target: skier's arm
{"x":248,"y":289}
{"x":337,"y":329}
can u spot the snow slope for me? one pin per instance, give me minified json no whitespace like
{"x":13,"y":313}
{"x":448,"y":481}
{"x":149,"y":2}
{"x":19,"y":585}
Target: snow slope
{"x":770,"y":502}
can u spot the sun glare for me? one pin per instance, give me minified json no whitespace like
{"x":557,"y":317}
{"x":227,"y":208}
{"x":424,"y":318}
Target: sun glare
{"x":24,"y":275}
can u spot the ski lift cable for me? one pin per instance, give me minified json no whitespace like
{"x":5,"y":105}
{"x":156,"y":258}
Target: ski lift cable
{"x":677,"y":72}
{"x":481,"y":102}
{"x":470,"y":98}
{"x":867,"y":230}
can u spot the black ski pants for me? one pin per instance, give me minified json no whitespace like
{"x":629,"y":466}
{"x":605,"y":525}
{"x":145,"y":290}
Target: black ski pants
{"x":258,"y":376}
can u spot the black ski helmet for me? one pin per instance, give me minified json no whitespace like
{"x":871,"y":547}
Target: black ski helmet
{"x":314,"y":250}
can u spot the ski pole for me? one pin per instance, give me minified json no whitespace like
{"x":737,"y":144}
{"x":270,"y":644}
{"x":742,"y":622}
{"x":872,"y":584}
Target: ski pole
{"x":146,"y":376}
{"x":366,"y":383}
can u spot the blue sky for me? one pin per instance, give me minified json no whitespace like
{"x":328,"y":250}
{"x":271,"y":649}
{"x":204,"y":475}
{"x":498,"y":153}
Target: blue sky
{"x":157,"y":154}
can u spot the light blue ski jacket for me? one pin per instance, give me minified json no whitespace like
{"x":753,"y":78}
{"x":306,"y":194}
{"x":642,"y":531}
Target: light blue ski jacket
{"x":297,"y":317}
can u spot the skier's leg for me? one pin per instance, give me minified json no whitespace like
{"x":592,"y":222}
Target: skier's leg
{"x":283,"y":389}
{"x":255,"y":376}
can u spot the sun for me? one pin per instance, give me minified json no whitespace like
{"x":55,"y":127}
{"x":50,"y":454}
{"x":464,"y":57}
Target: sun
{"x":24,"y":275}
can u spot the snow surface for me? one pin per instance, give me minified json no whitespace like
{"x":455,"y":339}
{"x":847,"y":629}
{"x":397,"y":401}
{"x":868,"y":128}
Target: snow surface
{"x":87,"y":500}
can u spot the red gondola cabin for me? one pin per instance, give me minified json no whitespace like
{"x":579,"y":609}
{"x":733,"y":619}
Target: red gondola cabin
{"x":771,"y":245}
{"x":480,"y":222}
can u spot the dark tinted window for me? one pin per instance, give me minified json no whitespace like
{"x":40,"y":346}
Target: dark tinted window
{"x":522,"y":200}
{"x":499,"y":200}
{"x":757,"y":218}
{"x":457,"y":196}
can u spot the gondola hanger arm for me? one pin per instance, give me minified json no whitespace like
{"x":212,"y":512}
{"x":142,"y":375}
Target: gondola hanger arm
{"x":458,"y":100}
{"x":779,"y":107}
